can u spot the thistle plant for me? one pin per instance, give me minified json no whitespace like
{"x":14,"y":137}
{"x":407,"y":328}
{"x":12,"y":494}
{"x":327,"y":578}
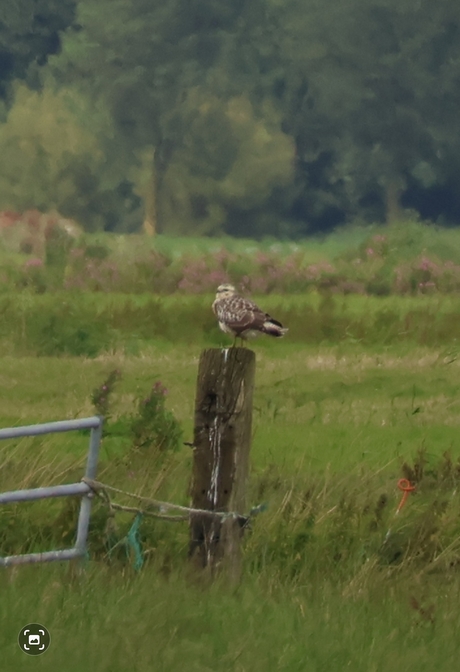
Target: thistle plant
{"x":101,"y":396}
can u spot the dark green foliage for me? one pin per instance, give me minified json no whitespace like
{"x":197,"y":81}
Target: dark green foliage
{"x":150,"y":428}
{"x":96,"y":251}
{"x":269,"y":118}
{"x":29,"y":33}
{"x":353,"y":86}
{"x":63,"y":332}
{"x":154,"y":426}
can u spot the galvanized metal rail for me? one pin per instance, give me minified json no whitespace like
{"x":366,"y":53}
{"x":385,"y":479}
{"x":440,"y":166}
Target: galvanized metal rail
{"x":82,"y":489}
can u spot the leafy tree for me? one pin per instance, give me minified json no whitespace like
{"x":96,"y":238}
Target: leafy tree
{"x":142,"y":58}
{"x":29,"y":33}
{"x":362,"y":96}
{"x":230,"y":163}
{"x":49,"y":160}
{"x":341,"y":106}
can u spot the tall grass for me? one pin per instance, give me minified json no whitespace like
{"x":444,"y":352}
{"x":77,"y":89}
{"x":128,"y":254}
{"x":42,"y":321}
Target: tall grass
{"x":145,"y":622}
{"x":333,"y":432}
{"x":90,"y":324}
{"x":322,"y":586}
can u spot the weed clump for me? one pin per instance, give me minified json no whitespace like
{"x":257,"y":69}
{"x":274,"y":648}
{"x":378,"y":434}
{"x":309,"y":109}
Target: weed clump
{"x":101,"y":396}
{"x":153,"y":424}
{"x":150,"y":427}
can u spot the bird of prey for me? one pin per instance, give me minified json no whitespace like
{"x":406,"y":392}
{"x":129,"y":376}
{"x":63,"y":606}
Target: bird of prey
{"x":241,"y":317}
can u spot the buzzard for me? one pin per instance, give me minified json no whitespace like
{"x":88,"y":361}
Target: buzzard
{"x":241,"y":317}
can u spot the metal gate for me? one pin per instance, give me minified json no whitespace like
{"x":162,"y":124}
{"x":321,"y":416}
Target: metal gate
{"x":79,"y":550}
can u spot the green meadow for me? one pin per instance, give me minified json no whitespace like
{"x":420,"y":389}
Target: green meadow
{"x":333,"y":578}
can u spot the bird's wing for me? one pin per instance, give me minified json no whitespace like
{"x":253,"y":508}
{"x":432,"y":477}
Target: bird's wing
{"x":239,"y":313}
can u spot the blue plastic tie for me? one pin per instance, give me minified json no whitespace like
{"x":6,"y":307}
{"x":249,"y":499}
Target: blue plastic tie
{"x":133,"y":541}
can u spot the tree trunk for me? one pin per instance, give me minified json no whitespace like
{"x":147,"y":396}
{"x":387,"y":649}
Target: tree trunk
{"x":150,"y":204}
{"x":161,"y":159}
{"x":393,"y":202}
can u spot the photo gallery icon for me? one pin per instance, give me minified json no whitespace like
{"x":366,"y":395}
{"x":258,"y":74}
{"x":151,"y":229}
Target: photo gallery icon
{"x":34,"y":639}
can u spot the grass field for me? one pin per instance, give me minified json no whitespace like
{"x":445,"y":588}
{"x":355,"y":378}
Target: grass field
{"x":333,"y":580}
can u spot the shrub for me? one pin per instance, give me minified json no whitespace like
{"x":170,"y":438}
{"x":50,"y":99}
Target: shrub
{"x":61,"y":329}
{"x":151,"y":427}
{"x":154,"y":426}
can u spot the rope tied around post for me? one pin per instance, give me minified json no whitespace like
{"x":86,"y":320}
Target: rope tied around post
{"x":102,"y":490}
{"x":132,"y":541}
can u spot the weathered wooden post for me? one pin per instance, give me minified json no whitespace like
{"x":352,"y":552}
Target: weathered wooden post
{"x":222,"y":441}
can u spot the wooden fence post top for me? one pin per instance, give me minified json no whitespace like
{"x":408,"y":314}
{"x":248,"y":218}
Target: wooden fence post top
{"x":229,"y":356}
{"x":224,"y":375}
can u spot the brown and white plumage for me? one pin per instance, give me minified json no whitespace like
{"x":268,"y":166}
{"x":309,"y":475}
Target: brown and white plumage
{"x":241,"y":317}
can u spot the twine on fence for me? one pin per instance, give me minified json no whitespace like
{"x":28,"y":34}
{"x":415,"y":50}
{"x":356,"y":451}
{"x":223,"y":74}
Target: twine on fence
{"x":102,"y":489}
{"x":131,"y":541}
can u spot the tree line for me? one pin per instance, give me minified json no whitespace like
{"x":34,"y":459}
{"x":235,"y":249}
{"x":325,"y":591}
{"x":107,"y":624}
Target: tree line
{"x":269,"y":117}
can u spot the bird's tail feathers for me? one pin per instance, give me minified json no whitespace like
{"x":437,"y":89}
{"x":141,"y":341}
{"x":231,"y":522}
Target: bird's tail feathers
{"x":274,"y":328}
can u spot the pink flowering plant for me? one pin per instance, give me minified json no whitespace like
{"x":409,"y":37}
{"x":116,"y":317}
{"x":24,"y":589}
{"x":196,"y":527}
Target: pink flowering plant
{"x":91,"y":273}
{"x":426,"y":275}
{"x":412,"y":258}
{"x":202,"y":275}
{"x":371,"y":269}
{"x":102,"y":396}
